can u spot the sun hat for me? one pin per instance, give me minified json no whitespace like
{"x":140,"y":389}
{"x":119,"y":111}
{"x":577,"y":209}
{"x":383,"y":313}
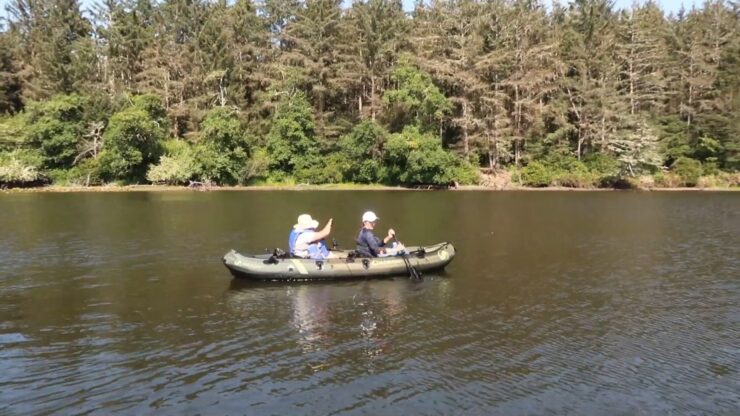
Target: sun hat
{"x":305,"y":222}
{"x":369,"y":217}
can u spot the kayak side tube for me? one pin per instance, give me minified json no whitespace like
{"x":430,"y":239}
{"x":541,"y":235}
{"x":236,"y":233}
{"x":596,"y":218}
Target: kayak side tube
{"x":267,"y":268}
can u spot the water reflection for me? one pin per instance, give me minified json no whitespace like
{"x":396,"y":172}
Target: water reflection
{"x":558,"y":303}
{"x":311,"y":309}
{"x":322,"y":315}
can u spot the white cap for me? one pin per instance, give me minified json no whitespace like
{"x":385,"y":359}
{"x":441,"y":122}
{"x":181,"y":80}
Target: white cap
{"x":369,"y":217}
{"x":305,"y":222}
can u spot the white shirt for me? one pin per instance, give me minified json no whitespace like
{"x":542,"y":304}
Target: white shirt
{"x":302,"y":243}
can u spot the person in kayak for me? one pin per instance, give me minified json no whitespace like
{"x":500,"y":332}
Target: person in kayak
{"x":368,"y":245}
{"x":304,"y":241}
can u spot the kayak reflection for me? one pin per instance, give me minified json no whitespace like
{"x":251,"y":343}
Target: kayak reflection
{"x":361,"y":315}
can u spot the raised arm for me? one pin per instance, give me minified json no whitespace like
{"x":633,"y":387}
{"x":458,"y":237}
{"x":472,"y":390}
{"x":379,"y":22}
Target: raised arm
{"x":320,"y":235}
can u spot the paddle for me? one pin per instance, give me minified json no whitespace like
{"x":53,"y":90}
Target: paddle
{"x":413,"y":273}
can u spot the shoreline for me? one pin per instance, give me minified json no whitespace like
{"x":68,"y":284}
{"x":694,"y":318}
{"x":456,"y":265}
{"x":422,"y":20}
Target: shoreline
{"x":338,"y":187}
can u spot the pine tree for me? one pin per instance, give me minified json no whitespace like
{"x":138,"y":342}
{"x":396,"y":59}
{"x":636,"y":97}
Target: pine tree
{"x":56,"y":44}
{"x":313,"y":36}
{"x":590,"y":75}
{"x":448,"y":43}
{"x":643,"y":55}
{"x":523,"y":62}
{"x":374,"y":34}
{"x":10,"y":81}
{"x":248,"y":46}
{"x":124,"y":30}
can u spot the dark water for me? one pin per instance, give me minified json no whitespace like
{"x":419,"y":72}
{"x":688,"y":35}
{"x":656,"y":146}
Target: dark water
{"x":558,"y":303}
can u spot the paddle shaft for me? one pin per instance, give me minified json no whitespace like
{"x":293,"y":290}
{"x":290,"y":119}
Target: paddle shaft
{"x":413,"y":273}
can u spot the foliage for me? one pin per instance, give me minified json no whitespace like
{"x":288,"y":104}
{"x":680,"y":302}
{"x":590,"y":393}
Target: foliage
{"x":413,"y":157}
{"x":176,"y":166}
{"x":12,"y":131}
{"x":20,"y":167}
{"x":363,"y":150}
{"x":536,"y":174}
{"x":291,"y":142}
{"x":283,"y":90}
{"x":637,"y":151}
{"x":605,"y":168}
{"x":415,"y":100}
{"x":56,"y":127}
{"x":689,"y":170}
{"x":131,"y":141}
{"x":223,"y":149}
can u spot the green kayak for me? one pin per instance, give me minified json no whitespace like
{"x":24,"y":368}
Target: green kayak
{"x":345,"y":266}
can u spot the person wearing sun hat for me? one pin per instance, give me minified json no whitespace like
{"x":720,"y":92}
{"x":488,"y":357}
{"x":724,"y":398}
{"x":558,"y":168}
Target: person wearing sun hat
{"x":306,"y":242}
{"x":368,"y":244}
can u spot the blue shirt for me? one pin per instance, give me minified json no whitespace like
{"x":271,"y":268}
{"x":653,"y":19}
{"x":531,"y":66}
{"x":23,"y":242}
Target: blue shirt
{"x":368,"y":244}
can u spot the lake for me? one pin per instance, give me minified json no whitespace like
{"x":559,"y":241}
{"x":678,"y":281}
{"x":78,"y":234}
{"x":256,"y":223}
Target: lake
{"x":557,"y":303}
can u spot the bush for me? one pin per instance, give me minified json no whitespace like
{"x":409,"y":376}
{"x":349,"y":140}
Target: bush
{"x":291,"y":142}
{"x":176,"y":167}
{"x":711,"y":181}
{"x":256,"y":168}
{"x":467,"y":174}
{"x":605,"y":169}
{"x":710,"y":167}
{"x":667,"y":180}
{"x":329,"y":169}
{"x":224,"y":148}
{"x":641,"y":182}
{"x":363,"y":151}
{"x":415,"y":158}
{"x":580,"y":178}
{"x":732,"y":179}
{"x":20,"y":167}
{"x":132,"y":140}
{"x":85,"y":173}
{"x":56,"y":127}
{"x":12,"y":132}
{"x":689,"y":170}
{"x":535,"y":174}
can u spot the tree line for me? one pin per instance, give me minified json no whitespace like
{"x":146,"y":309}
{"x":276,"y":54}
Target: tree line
{"x":288,"y":91}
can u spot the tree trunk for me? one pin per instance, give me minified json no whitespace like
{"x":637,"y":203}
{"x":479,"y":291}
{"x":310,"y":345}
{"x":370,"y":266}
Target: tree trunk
{"x":372,"y":97}
{"x":466,"y":142}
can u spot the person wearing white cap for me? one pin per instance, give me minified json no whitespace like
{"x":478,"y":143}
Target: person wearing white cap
{"x":367,"y":243}
{"x":306,"y":242}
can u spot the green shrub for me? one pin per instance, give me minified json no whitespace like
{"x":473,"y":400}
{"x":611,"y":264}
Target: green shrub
{"x":536,"y":174}
{"x":291,"y":142}
{"x":732,"y":179}
{"x":605,"y":169}
{"x":710,"y":167}
{"x":56,"y":127}
{"x":667,"y":180}
{"x":689,"y":170}
{"x":580,"y":178}
{"x":12,"y":131}
{"x":329,"y":169}
{"x":641,"y":181}
{"x":132,"y":140}
{"x":256,"y":168}
{"x":176,"y":169}
{"x":467,"y":174}
{"x":362,"y":149}
{"x":20,"y":166}
{"x":85,"y":173}
{"x":412,"y":157}
{"x":224,"y":147}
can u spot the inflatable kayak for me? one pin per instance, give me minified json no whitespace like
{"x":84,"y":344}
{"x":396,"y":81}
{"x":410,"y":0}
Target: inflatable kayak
{"x":276,"y":267}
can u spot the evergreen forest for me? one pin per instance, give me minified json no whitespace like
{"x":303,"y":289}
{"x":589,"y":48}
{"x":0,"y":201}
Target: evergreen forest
{"x":242,"y":92}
